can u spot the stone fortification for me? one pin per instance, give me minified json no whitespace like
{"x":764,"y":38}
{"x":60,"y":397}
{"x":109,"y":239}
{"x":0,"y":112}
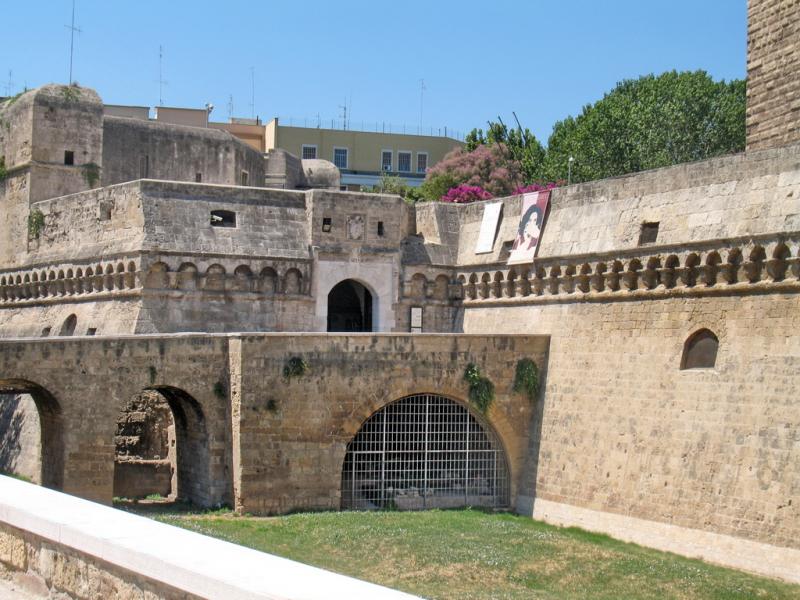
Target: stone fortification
{"x":773,"y":73}
{"x":136,"y":149}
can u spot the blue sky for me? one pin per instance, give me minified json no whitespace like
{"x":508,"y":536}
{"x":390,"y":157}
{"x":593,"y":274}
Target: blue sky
{"x":544,"y":60}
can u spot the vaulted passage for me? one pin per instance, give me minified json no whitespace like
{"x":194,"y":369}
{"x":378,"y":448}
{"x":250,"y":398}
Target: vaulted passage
{"x":31,"y":433}
{"x":424,"y":451}
{"x":349,"y":307}
{"x":161,"y":448}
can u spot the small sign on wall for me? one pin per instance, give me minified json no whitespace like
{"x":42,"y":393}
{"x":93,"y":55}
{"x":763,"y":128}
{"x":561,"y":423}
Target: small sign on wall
{"x":416,"y":319}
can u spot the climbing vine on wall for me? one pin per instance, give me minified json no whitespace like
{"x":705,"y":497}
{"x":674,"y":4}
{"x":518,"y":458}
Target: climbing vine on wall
{"x":295,"y":367}
{"x":71,"y":92}
{"x":3,"y":170}
{"x":481,"y":389}
{"x":35,"y":223}
{"x":526,"y":378}
{"x":91,"y":173}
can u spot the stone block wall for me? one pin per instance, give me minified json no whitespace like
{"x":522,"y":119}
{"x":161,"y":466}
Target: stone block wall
{"x":290,"y":436}
{"x":741,"y":195}
{"x":773,"y":73}
{"x":624,"y":430}
{"x":135,"y":149}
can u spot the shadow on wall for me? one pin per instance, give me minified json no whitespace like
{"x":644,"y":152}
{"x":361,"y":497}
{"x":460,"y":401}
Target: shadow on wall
{"x":20,"y":445}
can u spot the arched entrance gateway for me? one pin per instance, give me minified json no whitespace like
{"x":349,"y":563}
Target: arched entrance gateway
{"x":349,"y":307}
{"x":424,"y":451}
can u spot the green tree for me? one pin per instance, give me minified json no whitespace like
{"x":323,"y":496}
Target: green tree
{"x":650,"y":122}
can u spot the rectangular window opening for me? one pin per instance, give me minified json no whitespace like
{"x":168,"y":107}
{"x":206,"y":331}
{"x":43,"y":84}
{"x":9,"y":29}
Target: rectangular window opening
{"x":69,"y":157}
{"x":223,"y":218}
{"x":144,"y":167}
{"x":245,"y":177}
{"x":326,"y":224}
{"x":386,"y":160}
{"x":340,"y":157}
{"x":198,"y":178}
{"x":404,"y":162}
{"x":91,"y":331}
{"x":648,"y":233}
{"x":416,"y":319}
{"x":380,"y":229}
{"x":309,"y":151}
{"x":422,"y":162}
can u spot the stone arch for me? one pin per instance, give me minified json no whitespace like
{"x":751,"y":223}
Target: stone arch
{"x":778,"y":264}
{"x":700,"y":350}
{"x":157,"y":276}
{"x":187,"y":276}
{"x":668,"y":274}
{"x":711,"y":269}
{"x":419,"y":286}
{"x":351,"y":307}
{"x":27,"y":408}
{"x":215,"y":278}
{"x":293,"y":282}
{"x":161,"y":445}
{"x":472,"y":287}
{"x":243,"y":278}
{"x":650,"y":276}
{"x":631,"y":276}
{"x":440,"y":286}
{"x":69,"y":325}
{"x":469,"y":468}
{"x":268,"y":280}
{"x":108,"y":278}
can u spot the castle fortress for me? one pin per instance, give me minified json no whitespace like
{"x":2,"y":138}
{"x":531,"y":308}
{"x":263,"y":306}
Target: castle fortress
{"x":662,"y":311}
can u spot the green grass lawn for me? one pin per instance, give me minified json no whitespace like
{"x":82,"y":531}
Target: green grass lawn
{"x":462,"y":554}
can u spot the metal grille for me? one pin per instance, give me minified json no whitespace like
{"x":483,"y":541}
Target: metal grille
{"x":424,"y":451}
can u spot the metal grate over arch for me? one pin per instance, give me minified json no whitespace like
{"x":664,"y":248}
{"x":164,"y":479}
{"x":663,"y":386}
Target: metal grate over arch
{"x":424,"y":451}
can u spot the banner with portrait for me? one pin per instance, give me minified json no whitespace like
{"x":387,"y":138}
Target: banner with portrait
{"x":529,"y":232}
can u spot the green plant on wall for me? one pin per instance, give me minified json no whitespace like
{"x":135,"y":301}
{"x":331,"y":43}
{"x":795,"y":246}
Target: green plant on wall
{"x":526,"y":378}
{"x":71,"y":93}
{"x":35,"y":223}
{"x":91,"y":173}
{"x":3,"y":170}
{"x":295,"y":367}
{"x":481,"y":389}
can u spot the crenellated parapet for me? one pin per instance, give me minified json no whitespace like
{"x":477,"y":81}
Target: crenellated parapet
{"x":763,"y":262}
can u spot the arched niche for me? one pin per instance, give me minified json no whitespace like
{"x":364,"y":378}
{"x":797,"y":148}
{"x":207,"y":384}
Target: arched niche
{"x":350,"y":307}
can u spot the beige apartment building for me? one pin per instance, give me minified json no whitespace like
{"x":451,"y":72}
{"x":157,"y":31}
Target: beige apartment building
{"x":362,"y":156}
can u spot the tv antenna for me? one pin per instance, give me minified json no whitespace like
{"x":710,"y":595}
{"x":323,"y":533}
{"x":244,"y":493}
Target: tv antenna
{"x":72,"y":31}
{"x":161,"y":81}
{"x":422,"y":89}
{"x":344,"y":114}
{"x":253,"y":92}
{"x":10,"y":84}
{"x":230,"y":107}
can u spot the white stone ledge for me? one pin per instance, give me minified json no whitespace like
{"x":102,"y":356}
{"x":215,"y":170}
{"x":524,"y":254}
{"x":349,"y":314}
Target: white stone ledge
{"x":763,"y":559}
{"x":175,"y":557}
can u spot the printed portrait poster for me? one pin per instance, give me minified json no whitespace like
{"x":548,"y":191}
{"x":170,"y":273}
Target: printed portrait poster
{"x":534,"y":209}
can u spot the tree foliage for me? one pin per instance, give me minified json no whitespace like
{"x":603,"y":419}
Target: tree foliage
{"x":650,"y":122}
{"x":491,"y":167}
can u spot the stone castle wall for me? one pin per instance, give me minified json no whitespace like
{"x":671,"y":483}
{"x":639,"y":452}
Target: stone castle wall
{"x":773,"y":73}
{"x":135,"y":149}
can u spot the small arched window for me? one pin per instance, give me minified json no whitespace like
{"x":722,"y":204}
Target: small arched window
{"x":700,"y":350}
{"x":68,"y":328}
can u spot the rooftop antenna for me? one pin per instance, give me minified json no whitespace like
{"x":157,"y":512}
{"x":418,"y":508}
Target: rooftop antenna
{"x":230,"y":106}
{"x":161,"y":81}
{"x":10,"y":84}
{"x":422,"y":89}
{"x":319,"y":121}
{"x":252,"y":92}
{"x":344,"y":114}
{"x":72,"y":31}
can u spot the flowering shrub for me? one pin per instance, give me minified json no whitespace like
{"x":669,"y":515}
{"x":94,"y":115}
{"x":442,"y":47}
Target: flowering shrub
{"x":463,"y":194}
{"x":489,"y":167}
{"x":539,"y":187}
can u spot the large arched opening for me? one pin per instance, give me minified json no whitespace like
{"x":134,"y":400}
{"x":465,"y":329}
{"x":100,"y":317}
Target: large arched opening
{"x":161,"y":448}
{"x":425,"y":451}
{"x":350,"y":307}
{"x":31,"y":433}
